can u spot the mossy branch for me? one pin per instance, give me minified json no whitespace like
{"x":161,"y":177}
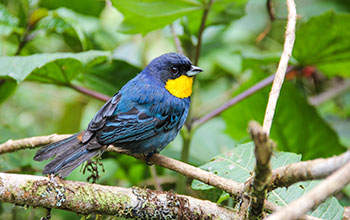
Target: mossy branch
{"x":319,"y":167}
{"x":86,"y":198}
{"x":227,"y":185}
{"x":262,"y":172}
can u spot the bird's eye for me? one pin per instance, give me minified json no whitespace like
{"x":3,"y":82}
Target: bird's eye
{"x":174,"y":70}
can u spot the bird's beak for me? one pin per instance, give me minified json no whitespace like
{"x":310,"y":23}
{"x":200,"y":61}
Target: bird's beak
{"x":194,"y":71}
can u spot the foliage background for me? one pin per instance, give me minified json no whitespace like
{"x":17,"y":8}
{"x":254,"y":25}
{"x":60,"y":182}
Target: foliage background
{"x":100,"y":45}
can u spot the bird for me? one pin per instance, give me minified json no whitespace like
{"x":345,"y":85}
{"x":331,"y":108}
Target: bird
{"x":143,"y":117}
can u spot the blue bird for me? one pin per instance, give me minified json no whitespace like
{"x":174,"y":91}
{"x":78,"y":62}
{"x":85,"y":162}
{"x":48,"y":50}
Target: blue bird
{"x":143,"y":117}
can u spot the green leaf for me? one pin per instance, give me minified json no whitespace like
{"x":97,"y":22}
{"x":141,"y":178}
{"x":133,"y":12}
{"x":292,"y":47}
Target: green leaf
{"x":102,"y":78}
{"x":238,"y":164}
{"x":50,"y":68}
{"x":225,"y":11}
{"x":221,"y":12}
{"x":8,"y":22}
{"x":324,"y":41}
{"x":144,"y":16}
{"x":66,"y":21}
{"x":87,"y":7}
{"x":296,"y":127}
{"x":330,"y":209}
{"x":7,"y":87}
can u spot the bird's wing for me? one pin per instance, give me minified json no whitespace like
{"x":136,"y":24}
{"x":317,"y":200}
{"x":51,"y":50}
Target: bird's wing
{"x":139,"y":123}
{"x":106,"y":111}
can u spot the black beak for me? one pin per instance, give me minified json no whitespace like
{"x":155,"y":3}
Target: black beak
{"x":194,"y":71}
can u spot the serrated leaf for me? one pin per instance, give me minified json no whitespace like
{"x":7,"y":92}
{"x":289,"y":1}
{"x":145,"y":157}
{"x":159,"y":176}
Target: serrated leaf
{"x":330,"y":209}
{"x":324,"y":41}
{"x":238,"y":165}
{"x":51,"y":68}
{"x":296,"y":127}
{"x":144,"y":16}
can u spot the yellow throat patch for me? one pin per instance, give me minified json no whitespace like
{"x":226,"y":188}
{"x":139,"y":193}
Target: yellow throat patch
{"x":180,"y":87}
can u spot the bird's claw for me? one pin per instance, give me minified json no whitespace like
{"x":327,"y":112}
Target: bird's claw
{"x":148,"y":158}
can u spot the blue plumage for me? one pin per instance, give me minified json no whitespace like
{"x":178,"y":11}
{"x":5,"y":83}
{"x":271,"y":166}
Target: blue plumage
{"x":143,"y":117}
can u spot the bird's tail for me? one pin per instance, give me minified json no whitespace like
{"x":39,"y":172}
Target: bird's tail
{"x":69,"y":153}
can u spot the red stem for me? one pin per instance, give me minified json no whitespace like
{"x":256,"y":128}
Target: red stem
{"x":91,"y":93}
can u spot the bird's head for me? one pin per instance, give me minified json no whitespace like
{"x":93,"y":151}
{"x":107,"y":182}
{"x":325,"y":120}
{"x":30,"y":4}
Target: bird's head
{"x":175,"y":71}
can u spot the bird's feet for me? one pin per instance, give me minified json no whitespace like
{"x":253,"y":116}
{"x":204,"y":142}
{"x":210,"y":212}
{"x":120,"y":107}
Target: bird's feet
{"x":148,"y":157}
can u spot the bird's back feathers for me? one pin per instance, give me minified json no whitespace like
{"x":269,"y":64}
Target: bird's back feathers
{"x":143,"y":117}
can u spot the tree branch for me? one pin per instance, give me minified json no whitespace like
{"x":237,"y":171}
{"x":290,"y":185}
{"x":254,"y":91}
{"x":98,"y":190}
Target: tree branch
{"x":227,"y":185}
{"x":274,"y":208}
{"x":86,"y":198}
{"x":281,"y":177}
{"x":230,"y":186}
{"x":307,"y":170}
{"x":318,"y":194}
{"x":282,"y":66}
{"x":32,"y":142}
{"x":262,"y":171}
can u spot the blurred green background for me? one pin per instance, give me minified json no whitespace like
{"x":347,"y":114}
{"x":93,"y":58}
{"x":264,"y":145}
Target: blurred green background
{"x":47,"y":47}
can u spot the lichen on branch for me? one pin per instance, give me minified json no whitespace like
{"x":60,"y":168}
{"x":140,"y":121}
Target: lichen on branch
{"x":86,"y":198}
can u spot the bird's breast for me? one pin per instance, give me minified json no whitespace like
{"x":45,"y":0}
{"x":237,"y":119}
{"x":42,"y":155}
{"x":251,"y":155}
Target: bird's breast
{"x":180,"y":87}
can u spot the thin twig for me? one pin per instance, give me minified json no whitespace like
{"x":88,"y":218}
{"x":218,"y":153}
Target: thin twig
{"x":86,"y":198}
{"x":176,"y":40}
{"x":282,"y":66}
{"x":330,"y":93}
{"x":262,"y":171}
{"x":317,"y":195}
{"x":270,"y":10}
{"x":307,"y":170}
{"x":185,"y":169}
{"x":24,"y":40}
{"x":257,"y":87}
{"x":201,"y":30}
{"x":91,"y":93}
